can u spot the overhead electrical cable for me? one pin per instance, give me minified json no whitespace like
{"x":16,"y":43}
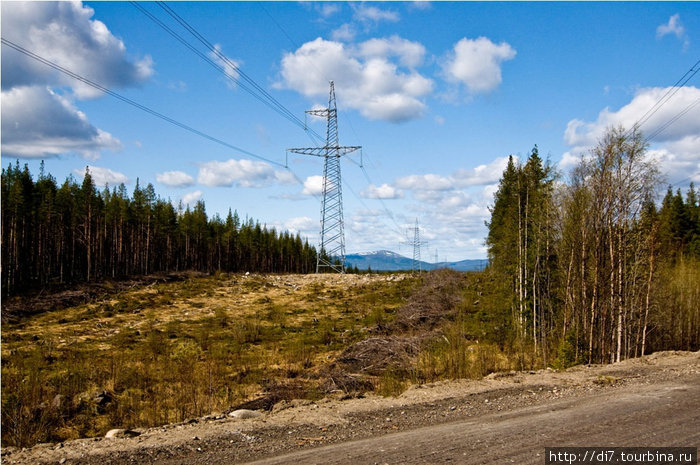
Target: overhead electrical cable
{"x":675,"y":118}
{"x":279,"y":26}
{"x":213,"y":63}
{"x":259,"y":92}
{"x":668,"y":94}
{"x":220,"y":68}
{"x":689,"y":178}
{"x":387,"y":212}
{"x":133,"y":103}
{"x":270,"y":102}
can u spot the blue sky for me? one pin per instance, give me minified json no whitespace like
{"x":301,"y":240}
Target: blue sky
{"x":438,"y":94}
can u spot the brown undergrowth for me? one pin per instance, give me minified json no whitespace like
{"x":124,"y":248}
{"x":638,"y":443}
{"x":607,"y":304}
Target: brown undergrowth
{"x":166,"y":352}
{"x":444,"y":331}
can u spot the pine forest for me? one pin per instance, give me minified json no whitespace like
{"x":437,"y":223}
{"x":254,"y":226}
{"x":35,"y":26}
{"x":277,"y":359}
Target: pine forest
{"x":75,"y":233}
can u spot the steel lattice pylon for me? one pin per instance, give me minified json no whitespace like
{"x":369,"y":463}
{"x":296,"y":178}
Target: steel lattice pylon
{"x":416,"y":242}
{"x":332,"y":245}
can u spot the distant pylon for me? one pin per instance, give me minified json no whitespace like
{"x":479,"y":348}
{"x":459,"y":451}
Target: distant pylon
{"x":331,"y":253}
{"x":416,"y":243}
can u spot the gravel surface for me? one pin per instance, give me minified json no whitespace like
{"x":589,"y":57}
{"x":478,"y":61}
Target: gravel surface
{"x":303,"y":425}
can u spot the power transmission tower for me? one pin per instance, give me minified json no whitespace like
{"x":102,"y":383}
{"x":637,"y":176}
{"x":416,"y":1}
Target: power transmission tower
{"x":331,"y":252}
{"x":416,"y":243}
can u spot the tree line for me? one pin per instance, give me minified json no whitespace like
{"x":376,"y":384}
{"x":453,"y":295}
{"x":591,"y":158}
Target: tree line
{"x":596,"y":270}
{"x":76,"y":233}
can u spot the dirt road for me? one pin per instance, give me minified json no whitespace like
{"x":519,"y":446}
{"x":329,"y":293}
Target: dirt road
{"x":505,"y":418}
{"x":650,"y":415}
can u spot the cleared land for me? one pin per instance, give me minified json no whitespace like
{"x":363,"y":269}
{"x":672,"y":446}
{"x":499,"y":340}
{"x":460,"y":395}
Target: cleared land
{"x":504,"y":418}
{"x":164,"y":352}
{"x":325,"y":360}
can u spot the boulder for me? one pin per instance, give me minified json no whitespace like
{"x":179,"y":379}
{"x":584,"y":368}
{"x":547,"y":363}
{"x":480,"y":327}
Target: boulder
{"x":121,"y":433}
{"x":245,"y":414}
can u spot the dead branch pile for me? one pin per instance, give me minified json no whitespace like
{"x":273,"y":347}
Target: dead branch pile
{"x":375,"y":355}
{"x":436,"y":299}
{"x":338,"y":380}
{"x":274,"y":392}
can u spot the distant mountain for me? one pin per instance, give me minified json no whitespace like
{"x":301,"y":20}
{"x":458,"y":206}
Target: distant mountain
{"x":386,"y":260}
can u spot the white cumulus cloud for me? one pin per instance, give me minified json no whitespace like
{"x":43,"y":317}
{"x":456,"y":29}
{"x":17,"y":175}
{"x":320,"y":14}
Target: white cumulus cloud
{"x":345,"y":33}
{"x":581,"y":133}
{"x":675,"y":127}
{"x":103,"y":176}
{"x":673,"y":27}
{"x":366,"y":77}
{"x":385,"y":191}
{"x":481,"y":175}
{"x":370,"y":13}
{"x":410,"y":54}
{"x":39,"y":117}
{"x":420,"y":5}
{"x":313,"y":185}
{"x":191,"y":198}
{"x":451,"y":211}
{"x":38,"y":123}
{"x":425,"y":182}
{"x":66,"y":34}
{"x":476,"y":63}
{"x":175,"y":179}
{"x":241,"y":173}
{"x":301,"y":224}
{"x":229,"y":65}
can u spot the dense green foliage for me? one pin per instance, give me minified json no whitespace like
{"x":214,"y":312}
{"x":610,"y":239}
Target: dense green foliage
{"x":595,"y":271}
{"x":75,"y":233}
{"x":520,"y":240}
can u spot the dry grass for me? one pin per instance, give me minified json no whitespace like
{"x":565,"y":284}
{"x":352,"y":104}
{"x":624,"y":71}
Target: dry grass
{"x":166,"y":352}
{"x":171,"y":351}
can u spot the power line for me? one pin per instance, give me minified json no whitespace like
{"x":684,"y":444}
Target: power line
{"x":680,"y":114}
{"x":221,"y":69}
{"x":279,"y":26}
{"x":292,"y":41}
{"x":258,"y":92}
{"x":370,"y":182}
{"x":669,"y":93}
{"x":206,"y":58}
{"x":133,"y":103}
{"x":685,"y":179}
{"x":387,"y":212}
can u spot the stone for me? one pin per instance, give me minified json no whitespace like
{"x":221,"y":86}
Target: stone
{"x":121,"y":433}
{"x":245,"y":414}
{"x":58,"y":401}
